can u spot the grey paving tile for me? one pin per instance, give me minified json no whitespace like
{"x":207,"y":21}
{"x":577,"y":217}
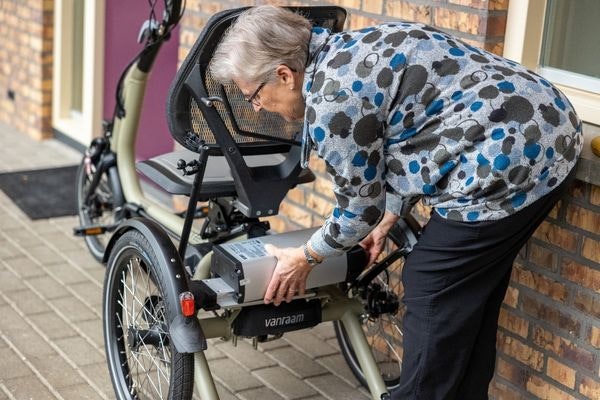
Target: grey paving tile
{"x":73,"y":310}
{"x":22,"y":237}
{"x":284,"y":383}
{"x":22,"y":335}
{"x":98,"y":373}
{"x":8,"y":250}
{"x":300,"y":364}
{"x":262,"y":393}
{"x":233,"y":376}
{"x":213,"y":352}
{"x":309,"y":344}
{"x":245,"y":354}
{"x":62,"y":241}
{"x":44,"y":254}
{"x":324,"y":331}
{"x":337,"y":365}
{"x":80,"y":351}
{"x":24,"y":266}
{"x":93,"y":329}
{"x":90,"y":292}
{"x":79,"y":392}
{"x":53,"y":326}
{"x":225,"y":394}
{"x":57,"y":371}
{"x":28,"y":388}
{"x":66,"y":273}
{"x":27,"y":301}
{"x":82,"y":258}
{"x":333,"y":387}
{"x":273,"y":344}
{"x":9,"y":282}
{"x":48,"y":287}
{"x":12,"y":365}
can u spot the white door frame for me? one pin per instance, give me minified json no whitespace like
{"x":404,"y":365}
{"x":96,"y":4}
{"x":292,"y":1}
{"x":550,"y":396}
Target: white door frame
{"x":81,"y":127}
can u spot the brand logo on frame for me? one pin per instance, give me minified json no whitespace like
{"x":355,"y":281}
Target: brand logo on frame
{"x":281,"y":321}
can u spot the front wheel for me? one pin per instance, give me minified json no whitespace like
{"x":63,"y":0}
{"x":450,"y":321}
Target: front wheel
{"x":143,"y":362}
{"x":99,"y":208}
{"x":382,"y":326}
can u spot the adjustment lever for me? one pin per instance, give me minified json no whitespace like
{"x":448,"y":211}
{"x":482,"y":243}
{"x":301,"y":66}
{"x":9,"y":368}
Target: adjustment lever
{"x":184,"y":165}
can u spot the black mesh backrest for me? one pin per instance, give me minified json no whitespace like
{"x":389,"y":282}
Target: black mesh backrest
{"x":188,"y":123}
{"x":202,"y":112}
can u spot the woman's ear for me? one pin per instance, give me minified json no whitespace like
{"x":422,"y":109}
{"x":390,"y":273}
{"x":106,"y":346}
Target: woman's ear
{"x":285,"y":75}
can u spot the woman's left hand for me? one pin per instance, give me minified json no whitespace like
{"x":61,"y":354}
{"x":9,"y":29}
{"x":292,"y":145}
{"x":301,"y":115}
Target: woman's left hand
{"x":289,"y":276}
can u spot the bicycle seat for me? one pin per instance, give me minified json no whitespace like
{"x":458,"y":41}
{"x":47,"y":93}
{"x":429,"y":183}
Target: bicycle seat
{"x":262,"y":150}
{"x":217,"y":180}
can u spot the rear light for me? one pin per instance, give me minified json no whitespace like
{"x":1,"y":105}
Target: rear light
{"x":188,"y":307}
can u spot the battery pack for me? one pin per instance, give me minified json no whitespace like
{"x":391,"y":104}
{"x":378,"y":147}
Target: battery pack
{"x":247,"y":268}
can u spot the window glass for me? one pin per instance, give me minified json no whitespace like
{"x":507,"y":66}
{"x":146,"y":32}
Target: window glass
{"x":572,"y":37}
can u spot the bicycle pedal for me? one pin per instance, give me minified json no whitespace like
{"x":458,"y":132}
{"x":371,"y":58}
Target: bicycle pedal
{"x":93,"y":230}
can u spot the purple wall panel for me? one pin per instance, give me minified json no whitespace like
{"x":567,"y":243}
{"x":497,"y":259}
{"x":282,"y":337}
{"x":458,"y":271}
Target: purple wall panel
{"x":123,"y":21}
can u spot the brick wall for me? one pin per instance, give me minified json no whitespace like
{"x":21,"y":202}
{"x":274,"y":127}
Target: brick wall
{"x":549,"y":332}
{"x":26,"y":65}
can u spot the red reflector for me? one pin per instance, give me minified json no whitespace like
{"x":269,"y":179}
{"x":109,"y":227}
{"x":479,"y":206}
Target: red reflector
{"x":188,"y":308}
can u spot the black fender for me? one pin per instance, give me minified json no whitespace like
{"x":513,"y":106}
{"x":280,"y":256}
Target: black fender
{"x":186,"y":333}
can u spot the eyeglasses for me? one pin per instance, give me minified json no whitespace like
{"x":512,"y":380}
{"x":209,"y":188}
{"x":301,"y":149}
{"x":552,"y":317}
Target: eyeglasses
{"x":252,"y":99}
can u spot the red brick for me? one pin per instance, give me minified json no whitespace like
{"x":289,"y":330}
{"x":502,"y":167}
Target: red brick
{"x":498,"y":4}
{"x":595,"y":195}
{"x":411,"y":12}
{"x":373,"y":6}
{"x":319,"y":205}
{"x":560,"y":373}
{"x":594,"y":336}
{"x":513,"y":323}
{"x":544,"y":390}
{"x":458,"y":21}
{"x":540,"y":283}
{"x":482,"y":4}
{"x":590,"y":388}
{"x":551,"y":315}
{"x":541,"y":256}
{"x":495,"y":26}
{"x":577,"y":190}
{"x":587,"y":303}
{"x":563,"y":348}
{"x":511,"y":298}
{"x":500,"y":391}
{"x":513,"y":372}
{"x":591,"y":250}
{"x":583,"y":218}
{"x":581,"y":274}
{"x":317,"y":164}
{"x":299,"y":215}
{"x":521,"y":352}
{"x":557,"y":236}
{"x":296,"y":195}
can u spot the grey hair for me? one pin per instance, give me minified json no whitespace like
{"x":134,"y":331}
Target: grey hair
{"x":261,"y":39}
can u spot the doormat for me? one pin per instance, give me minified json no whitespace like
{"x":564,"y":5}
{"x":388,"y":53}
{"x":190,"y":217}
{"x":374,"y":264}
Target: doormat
{"x":42,"y":193}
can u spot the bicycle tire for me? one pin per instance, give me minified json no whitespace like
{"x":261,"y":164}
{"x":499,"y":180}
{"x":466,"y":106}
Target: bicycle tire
{"x":98,"y":210}
{"x":383,"y":333}
{"x":133,"y":280}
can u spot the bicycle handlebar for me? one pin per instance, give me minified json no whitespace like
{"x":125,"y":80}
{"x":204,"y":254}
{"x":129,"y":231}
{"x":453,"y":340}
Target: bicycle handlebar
{"x":172,"y":12}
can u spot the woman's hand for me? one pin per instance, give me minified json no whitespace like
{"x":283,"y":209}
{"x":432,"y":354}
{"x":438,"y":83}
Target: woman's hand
{"x":374,"y":242}
{"x":289,"y":276}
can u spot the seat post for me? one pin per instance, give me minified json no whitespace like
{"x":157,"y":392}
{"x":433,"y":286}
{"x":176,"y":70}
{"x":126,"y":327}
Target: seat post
{"x":191,"y":209}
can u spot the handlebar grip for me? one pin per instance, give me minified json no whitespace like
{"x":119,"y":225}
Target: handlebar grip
{"x":172,"y":11}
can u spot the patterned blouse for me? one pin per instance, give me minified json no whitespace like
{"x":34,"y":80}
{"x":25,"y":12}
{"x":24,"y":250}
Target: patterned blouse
{"x":402,"y":111}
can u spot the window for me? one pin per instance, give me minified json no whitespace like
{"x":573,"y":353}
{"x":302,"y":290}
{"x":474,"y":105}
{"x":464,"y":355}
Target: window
{"x":559,"y":39}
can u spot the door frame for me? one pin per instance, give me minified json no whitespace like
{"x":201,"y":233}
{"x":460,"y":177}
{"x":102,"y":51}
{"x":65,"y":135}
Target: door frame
{"x":80,"y":127}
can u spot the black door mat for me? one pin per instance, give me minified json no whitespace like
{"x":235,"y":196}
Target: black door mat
{"x":42,"y":193}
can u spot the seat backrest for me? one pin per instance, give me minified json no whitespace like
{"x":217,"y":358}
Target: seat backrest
{"x":201,"y":111}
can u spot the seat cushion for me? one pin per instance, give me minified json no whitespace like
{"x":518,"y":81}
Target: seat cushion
{"x":217,"y":182}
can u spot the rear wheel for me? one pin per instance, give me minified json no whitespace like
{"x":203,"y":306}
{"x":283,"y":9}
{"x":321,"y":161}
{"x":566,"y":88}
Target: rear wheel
{"x":382,"y":328}
{"x":99,"y":209}
{"x":143,"y":362}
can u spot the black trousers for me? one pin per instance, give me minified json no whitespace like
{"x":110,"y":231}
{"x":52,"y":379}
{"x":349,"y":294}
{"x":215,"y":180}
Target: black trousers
{"x":454,"y":281}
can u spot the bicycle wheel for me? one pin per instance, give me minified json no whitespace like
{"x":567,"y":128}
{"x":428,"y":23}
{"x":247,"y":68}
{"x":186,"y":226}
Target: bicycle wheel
{"x":99,"y":209}
{"x":143,"y":362}
{"x":383,"y":330}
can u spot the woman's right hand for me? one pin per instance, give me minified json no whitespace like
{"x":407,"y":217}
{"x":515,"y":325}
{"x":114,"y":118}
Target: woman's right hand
{"x":374,"y":242}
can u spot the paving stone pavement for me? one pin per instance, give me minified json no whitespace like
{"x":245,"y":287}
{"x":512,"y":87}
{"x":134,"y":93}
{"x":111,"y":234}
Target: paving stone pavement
{"x":51,"y":343}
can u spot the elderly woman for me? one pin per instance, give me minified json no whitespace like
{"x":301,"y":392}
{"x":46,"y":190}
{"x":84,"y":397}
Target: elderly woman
{"x":399,"y":112}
